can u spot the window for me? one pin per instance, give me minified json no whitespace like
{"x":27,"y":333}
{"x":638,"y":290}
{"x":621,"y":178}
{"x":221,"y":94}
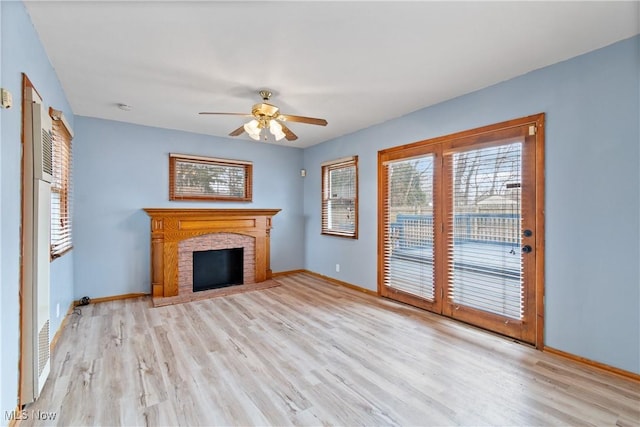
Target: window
{"x":61,"y":185}
{"x":340,"y":197}
{"x":206,"y":178}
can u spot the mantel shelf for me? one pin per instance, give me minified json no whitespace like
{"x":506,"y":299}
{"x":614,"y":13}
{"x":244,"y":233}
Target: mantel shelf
{"x":169,"y":212}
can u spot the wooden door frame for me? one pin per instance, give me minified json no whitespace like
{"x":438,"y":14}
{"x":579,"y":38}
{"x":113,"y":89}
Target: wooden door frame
{"x":23,"y":300}
{"x":536,"y":124}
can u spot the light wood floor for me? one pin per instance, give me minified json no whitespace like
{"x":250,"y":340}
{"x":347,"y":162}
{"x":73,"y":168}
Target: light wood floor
{"x":311,"y":353}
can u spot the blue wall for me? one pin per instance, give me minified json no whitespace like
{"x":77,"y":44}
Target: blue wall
{"x":121,"y":168}
{"x":22,"y":52}
{"x":592,"y":194}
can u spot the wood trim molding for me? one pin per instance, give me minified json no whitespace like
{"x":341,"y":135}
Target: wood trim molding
{"x":286,"y":273}
{"x":592,"y":363}
{"x":27,"y":89}
{"x":341,"y":283}
{"x":113,"y":298}
{"x":197,"y":212}
{"x":540,"y":229}
{"x":478,"y":133}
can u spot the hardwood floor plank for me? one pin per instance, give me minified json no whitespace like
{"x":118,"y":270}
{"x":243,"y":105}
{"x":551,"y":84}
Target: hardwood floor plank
{"x":309,"y":352}
{"x":149,"y":377}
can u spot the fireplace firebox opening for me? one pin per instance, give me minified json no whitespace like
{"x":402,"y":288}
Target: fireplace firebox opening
{"x":215,"y":269}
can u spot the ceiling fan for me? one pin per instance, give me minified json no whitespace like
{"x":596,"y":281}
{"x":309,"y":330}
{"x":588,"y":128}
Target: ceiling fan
{"x":265,"y":115}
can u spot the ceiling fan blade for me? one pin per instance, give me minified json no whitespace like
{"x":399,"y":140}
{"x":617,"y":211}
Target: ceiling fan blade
{"x":227,"y":114}
{"x":288,"y":134}
{"x":301,"y":119}
{"x":237,"y":131}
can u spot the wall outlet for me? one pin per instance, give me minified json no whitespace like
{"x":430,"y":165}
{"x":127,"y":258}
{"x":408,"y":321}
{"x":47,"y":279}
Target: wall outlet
{"x":337,"y":268}
{"x":57,"y":310}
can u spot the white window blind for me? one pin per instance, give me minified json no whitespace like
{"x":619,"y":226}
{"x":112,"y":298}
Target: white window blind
{"x":485,"y":230}
{"x":409,"y":230}
{"x":202,"y":178}
{"x":61,"y":194}
{"x":340,"y":197}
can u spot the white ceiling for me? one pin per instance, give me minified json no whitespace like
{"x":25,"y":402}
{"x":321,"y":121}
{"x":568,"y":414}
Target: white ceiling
{"x":353,"y":63}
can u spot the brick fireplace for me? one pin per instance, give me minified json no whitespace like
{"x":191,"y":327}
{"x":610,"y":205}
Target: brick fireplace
{"x":213,"y":241}
{"x":177,"y":233}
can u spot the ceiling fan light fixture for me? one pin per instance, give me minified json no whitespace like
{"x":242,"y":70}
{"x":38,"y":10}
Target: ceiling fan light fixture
{"x":253,"y":129}
{"x":276,"y":130}
{"x":267,"y":115}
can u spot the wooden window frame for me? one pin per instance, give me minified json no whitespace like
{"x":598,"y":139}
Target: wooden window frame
{"x":62,"y":181}
{"x":351,"y":161}
{"x":176,"y":195}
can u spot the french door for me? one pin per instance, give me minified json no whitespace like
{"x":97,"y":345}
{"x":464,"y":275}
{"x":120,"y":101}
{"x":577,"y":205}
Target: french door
{"x":460,"y":227}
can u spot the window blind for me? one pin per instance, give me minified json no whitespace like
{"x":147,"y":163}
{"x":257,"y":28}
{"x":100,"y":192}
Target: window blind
{"x":61,"y":191}
{"x":340,"y":197}
{"x":484,"y":255}
{"x":408,"y":226}
{"x":193,"y":178}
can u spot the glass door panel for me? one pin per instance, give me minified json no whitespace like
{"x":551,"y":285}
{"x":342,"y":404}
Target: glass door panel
{"x":409,"y":237}
{"x":484,"y":256}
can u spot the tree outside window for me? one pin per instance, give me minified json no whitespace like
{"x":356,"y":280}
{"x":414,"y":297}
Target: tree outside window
{"x":203,"y":178}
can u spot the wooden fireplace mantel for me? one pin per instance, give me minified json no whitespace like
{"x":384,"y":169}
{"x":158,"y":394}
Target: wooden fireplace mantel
{"x":170,"y":226}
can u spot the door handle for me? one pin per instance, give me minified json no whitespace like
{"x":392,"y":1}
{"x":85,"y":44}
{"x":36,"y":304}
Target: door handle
{"x":526,"y":249}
